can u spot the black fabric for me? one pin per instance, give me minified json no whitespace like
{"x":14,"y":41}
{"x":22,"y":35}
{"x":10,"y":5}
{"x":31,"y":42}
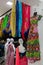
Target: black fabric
{"x":22,"y":54}
{"x":16,"y":45}
{"x":1,"y":50}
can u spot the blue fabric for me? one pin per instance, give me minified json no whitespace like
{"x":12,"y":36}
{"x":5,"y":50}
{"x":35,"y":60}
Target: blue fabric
{"x":4,"y":31}
{"x":6,"y":34}
{"x":18,"y":18}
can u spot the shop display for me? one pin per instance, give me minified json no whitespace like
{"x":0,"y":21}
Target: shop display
{"x":33,"y":47}
{"x":18,"y":18}
{"x":20,"y":30}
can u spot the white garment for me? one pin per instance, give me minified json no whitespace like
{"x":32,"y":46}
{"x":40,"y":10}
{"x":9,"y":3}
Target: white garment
{"x":21,"y":48}
{"x":6,"y":47}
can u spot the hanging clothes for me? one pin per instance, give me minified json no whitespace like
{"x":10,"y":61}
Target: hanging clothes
{"x":25,"y":20}
{"x":33,"y":47}
{"x":18,"y":18}
{"x":5,"y":21}
{"x":13,"y":20}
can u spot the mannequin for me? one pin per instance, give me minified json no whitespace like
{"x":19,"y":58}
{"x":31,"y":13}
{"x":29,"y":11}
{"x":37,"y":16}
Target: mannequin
{"x":9,"y":52}
{"x":6,"y":47}
{"x":22,"y":49}
{"x":9,"y":41}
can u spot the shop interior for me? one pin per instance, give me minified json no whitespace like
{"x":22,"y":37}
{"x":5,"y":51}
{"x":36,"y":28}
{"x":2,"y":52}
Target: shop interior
{"x":21,"y":32}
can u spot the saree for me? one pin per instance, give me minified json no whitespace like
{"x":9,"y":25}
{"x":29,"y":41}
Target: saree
{"x":33,"y":47}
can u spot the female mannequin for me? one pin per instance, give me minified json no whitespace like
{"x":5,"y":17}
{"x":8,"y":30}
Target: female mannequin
{"x":10,"y":52}
{"x":22,"y":49}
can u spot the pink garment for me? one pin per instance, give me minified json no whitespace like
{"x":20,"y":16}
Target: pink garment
{"x":17,"y":56}
{"x":10,"y":55}
{"x":35,"y":30}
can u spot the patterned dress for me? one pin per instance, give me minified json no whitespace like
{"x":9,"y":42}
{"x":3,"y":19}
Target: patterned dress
{"x":33,"y":47}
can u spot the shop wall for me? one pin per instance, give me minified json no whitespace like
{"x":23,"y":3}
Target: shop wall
{"x":37,"y":8}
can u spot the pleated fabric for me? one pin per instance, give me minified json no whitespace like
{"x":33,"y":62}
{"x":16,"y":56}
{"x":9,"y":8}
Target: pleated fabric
{"x":25,"y":20}
{"x":18,"y":18}
{"x":5,"y":21}
{"x":13,"y":20}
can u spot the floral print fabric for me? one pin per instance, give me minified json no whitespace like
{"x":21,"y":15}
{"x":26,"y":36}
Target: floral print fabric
{"x":33,"y":47}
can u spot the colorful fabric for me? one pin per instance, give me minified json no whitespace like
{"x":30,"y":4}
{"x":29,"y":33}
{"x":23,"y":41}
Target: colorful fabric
{"x":5,"y":21}
{"x":18,"y":18}
{"x":25,"y":20}
{"x":13,"y":20}
{"x":33,"y":47}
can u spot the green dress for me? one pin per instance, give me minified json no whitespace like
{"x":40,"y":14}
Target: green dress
{"x":33,"y":47}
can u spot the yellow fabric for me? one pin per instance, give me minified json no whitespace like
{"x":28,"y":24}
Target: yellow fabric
{"x":13,"y":20}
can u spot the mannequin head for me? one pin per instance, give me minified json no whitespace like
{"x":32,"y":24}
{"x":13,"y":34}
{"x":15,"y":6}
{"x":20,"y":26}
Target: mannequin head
{"x":8,"y":40}
{"x":12,"y":40}
{"x":20,"y":41}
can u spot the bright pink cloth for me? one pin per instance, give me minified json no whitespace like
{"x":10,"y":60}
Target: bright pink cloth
{"x":20,"y":61}
{"x":17,"y":56}
{"x":23,"y":61}
{"x":10,"y":56}
{"x":25,"y":18}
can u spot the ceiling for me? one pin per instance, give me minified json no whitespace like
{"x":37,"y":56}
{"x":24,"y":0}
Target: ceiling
{"x":4,"y":7}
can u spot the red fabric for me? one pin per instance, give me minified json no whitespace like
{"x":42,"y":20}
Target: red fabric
{"x":25,"y":18}
{"x":23,"y":61}
{"x":17,"y":56}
